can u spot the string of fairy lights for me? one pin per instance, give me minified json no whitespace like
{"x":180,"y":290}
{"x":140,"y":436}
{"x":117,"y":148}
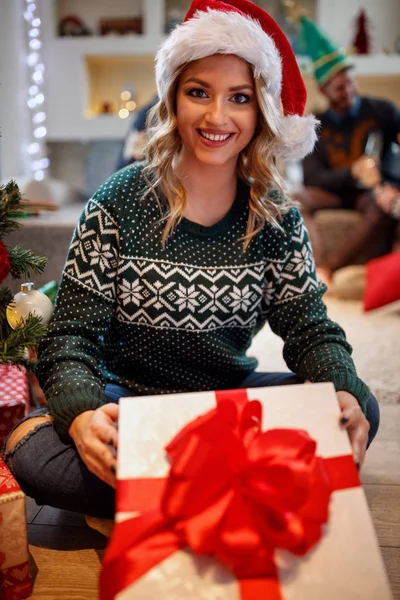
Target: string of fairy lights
{"x":37,"y":149}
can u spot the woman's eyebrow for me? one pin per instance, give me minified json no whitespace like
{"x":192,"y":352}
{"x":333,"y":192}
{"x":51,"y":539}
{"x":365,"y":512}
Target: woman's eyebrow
{"x":207,"y":85}
{"x":199,"y":81}
{"x":245,"y":86}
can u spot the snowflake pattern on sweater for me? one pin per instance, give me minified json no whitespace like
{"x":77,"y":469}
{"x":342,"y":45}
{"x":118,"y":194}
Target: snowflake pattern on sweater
{"x":161,"y":293}
{"x":182,"y":317}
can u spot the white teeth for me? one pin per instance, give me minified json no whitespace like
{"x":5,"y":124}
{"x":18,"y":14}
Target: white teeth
{"x":214,"y":138}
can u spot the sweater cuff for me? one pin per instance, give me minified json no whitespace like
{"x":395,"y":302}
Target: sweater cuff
{"x":348,"y":382}
{"x":65,"y":406}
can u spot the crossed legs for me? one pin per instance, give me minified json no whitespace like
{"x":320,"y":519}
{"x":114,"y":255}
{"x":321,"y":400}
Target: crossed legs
{"x":375,"y":227}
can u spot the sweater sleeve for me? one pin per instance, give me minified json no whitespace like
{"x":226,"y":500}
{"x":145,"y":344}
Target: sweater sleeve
{"x":315,"y":347}
{"x":390,"y":115}
{"x":69,"y":362}
{"x":317,"y":173}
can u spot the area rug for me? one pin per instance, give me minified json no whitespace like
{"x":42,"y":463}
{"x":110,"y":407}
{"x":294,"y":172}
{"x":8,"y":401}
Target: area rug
{"x":374,"y":336}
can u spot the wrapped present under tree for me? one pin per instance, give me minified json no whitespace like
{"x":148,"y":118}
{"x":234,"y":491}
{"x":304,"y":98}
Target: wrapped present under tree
{"x":15,"y":578}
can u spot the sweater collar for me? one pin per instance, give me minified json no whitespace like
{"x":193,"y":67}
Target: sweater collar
{"x":353,"y":112}
{"x":240,"y":202}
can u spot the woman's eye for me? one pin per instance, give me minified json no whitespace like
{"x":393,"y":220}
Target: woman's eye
{"x":197,"y":93}
{"x":241,"y":98}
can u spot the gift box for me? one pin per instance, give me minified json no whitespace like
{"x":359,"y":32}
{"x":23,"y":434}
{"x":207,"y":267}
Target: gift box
{"x":15,"y":578}
{"x":240,"y":495}
{"x":14,"y":398}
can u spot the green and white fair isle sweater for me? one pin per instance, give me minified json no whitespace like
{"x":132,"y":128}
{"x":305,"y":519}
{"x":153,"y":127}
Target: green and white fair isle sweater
{"x":181,"y":318}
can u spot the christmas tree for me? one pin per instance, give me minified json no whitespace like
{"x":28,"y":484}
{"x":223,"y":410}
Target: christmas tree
{"x":19,"y":263}
{"x":362,"y":42}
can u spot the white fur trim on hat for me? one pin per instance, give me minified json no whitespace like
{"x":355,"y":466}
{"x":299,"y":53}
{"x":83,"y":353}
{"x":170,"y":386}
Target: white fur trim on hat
{"x":216,"y":32}
{"x":297,"y":136}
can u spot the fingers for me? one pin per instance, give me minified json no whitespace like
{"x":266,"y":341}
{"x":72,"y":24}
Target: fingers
{"x":358,"y":440}
{"x":96,"y":439}
{"x":105,"y":432}
{"x":101,"y":461}
{"x":351,"y":413}
{"x":104,"y":424}
{"x":111,"y":410}
{"x":353,"y":419}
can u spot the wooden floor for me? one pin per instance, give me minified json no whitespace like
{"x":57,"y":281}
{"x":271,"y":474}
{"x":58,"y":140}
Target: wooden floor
{"x":66,"y":553}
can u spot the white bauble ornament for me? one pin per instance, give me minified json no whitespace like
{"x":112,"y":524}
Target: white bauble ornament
{"x":28,"y":301}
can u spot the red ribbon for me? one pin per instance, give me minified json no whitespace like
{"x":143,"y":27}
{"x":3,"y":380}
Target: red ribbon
{"x":233,"y":492}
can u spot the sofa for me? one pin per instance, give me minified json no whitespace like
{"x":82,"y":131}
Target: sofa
{"x":48,"y":233}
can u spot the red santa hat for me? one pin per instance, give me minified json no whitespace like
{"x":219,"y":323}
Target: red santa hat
{"x":242,"y":28}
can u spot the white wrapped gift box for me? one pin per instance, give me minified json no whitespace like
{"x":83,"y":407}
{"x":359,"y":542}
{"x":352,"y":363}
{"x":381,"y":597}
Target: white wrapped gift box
{"x":346,"y":564}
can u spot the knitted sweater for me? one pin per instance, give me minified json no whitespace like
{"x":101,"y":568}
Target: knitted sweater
{"x":181,"y":318}
{"x":342,"y":141}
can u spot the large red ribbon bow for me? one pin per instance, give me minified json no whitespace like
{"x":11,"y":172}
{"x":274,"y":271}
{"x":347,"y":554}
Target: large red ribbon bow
{"x":233,"y":492}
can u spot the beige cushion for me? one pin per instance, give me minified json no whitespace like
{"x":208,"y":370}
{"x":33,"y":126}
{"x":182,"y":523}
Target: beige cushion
{"x":348,"y":283}
{"x":334,"y":225}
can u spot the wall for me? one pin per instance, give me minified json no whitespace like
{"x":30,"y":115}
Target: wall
{"x":337,"y":17}
{"x":14,"y":113}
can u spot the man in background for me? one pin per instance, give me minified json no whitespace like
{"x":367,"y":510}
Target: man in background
{"x":348,"y":161}
{"x":387,"y":195}
{"x":135,"y":141}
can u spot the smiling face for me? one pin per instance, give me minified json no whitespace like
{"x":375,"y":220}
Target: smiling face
{"x":216,"y":110}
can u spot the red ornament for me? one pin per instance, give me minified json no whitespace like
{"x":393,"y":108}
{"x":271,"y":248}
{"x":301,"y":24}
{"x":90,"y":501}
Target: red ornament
{"x":4,"y":262}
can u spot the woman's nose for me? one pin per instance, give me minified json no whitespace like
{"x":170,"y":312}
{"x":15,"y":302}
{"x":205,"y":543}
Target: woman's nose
{"x":217,"y":112}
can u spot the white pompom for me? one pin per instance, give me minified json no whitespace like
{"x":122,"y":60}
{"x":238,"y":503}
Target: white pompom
{"x":297,"y":136}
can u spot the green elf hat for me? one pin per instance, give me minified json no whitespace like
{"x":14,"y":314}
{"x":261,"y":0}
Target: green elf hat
{"x":328,"y":59}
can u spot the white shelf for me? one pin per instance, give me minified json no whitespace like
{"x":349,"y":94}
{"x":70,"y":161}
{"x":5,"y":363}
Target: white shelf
{"x":85,"y":129}
{"x":364,"y":65}
{"x":376,"y":64}
{"x":129,"y":45}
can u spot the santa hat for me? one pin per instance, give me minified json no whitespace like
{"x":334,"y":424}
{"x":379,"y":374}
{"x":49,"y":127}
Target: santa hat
{"x":242,"y":28}
{"x":327,"y":58}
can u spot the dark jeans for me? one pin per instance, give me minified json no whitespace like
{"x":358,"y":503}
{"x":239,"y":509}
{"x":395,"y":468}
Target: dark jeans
{"x":52,"y":472}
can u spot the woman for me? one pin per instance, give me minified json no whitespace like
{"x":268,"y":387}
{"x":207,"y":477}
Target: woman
{"x":176,"y":264}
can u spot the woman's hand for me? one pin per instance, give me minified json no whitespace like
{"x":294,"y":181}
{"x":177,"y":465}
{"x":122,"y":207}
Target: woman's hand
{"x":353,"y":419}
{"x":95,"y":435}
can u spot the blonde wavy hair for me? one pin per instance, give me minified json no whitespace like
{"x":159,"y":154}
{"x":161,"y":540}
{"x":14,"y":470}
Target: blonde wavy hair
{"x":257,"y":165}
